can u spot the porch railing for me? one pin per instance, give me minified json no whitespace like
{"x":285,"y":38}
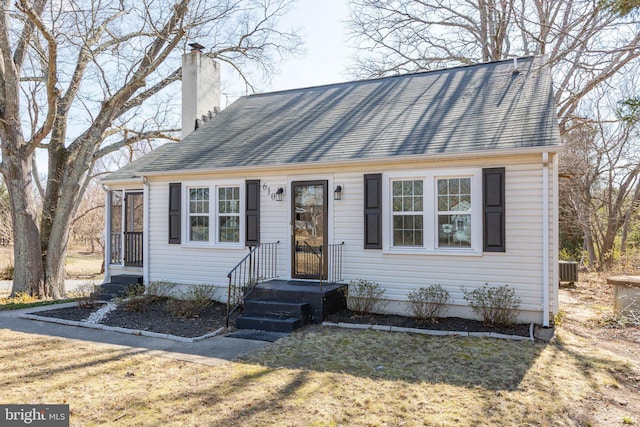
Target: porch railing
{"x":116,"y":247}
{"x":334,"y":261}
{"x":322,"y":262}
{"x":133,"y":248}
{"x":260,"y":264}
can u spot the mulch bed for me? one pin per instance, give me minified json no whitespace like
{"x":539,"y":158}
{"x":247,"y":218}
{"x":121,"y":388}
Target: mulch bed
{"x":442,"y":324}
{"x":157,"y":318}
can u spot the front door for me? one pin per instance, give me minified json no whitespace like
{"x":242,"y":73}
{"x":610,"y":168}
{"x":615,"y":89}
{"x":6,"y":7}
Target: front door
{"x":309,"y":224}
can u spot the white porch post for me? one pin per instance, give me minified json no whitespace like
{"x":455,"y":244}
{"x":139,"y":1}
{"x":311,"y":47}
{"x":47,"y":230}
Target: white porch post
{"x":107,"y":233}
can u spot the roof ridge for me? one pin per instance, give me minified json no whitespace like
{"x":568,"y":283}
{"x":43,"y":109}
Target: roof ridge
{"x":416,"y":73}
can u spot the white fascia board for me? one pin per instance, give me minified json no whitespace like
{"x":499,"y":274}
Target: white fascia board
{"x":466,"y":155}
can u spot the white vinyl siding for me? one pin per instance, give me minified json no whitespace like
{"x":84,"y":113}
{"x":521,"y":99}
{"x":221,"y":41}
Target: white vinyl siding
{"x":398,"y":272}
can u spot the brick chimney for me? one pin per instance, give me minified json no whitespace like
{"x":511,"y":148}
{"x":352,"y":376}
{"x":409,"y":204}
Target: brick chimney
{"x":200,"y":87}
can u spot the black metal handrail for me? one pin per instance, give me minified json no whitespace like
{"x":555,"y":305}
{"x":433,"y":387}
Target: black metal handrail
{"x":334,"y":258}
{"x":260,"y":264}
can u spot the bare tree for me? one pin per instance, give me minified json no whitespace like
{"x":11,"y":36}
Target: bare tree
{"x":602,"y":167}
{"x":586,"y":42}
{"x":76,"y":77}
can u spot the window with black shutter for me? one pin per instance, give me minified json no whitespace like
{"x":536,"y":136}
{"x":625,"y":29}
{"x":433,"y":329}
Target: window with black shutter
{"x":493,"y":212}
{"x":373,"y":211}
{"x":252,"y":223}
{"x":175,"y":203}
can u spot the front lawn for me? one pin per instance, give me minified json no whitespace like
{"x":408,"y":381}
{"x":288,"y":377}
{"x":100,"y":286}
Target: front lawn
{"x":330,"y":377}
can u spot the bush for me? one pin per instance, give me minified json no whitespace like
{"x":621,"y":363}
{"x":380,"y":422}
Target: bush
{"x":135,"y":299}
{"x":159,"y":290}
{"x":427,"y":304}
{"x":7,"y":272}
{"x":495,"y":305}
{"x":364,"y":296}
{"x":88,"y":295}
{"x":192,"y":302}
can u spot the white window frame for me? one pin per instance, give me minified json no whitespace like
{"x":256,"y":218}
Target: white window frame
{"x":407,"y":213}
{"x":430,"y":211}
{"x":190,"y":214}
{"x":214,"y":226}
{"x":218,"y":214}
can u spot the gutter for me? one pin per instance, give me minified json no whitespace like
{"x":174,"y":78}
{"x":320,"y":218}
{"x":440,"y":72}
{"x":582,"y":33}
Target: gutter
{"x":464,"y":155}
{"x":133,"y":180}
{"x":545,"y":239}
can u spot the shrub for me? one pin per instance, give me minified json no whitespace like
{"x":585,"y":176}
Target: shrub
{"x":364,"y":296}
{"x":495,"y":305}
{"x":7,"y":272}
{"x":88,"y":295}
{"x":627,"y":318}
{"x":192,"y":302}
{"x":426,"y":304}
{"x":159,"y":290}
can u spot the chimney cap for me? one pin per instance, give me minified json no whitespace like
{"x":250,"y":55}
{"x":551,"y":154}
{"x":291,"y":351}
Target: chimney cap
{"x":196,"y":47}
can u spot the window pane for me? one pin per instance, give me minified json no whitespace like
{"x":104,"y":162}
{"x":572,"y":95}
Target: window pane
{"x":442,"y":187}
{"x":198,"y":200}
{"x":116,"y":211}
{"x":443,"y":203}
{"x":454,"y":186}
{"x":397,"y":188}
{"x":465,"y":186}
{"x":229,"y":200}
{"x":229,"y":229}
{"x":199,"y":229}
{"x":407,"y":230}
{"x":454,"y":231}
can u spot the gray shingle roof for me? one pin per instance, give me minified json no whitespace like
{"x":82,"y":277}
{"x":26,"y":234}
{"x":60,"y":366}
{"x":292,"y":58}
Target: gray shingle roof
{"x":458,"y":110}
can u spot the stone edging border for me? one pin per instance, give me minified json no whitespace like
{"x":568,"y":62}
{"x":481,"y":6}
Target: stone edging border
{"x":432,"y":331}
{"x":119,"y":329}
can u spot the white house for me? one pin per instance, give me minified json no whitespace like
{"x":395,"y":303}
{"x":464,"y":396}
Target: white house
{"x":445,"y":177}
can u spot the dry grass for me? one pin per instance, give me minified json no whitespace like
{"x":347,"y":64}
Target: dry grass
{"x":79,"y":264}
{"x":332,"y":377}
{"x":83,"y":265}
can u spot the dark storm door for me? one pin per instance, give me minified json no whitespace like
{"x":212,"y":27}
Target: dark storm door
{"x":133,"y":228}
{"x":309,"y":229}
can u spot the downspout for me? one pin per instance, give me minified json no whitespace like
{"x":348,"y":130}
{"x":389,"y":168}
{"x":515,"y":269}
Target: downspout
{"x":545,"y":239}
{"x":145,"y":232}
{"x":107,"y":233}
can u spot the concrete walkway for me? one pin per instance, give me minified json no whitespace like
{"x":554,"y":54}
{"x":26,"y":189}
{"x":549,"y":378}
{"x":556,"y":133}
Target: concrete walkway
{"x":212,"y":351}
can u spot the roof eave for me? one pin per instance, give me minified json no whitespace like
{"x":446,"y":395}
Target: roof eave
{"x":364,"y":162}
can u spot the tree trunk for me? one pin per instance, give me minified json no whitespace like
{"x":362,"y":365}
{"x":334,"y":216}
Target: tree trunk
{"x":28,"y":274}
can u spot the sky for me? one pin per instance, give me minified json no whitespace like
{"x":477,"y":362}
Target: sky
{"x":327,"y":56}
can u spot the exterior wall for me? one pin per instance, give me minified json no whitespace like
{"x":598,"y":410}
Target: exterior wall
{"x":520,"y":267}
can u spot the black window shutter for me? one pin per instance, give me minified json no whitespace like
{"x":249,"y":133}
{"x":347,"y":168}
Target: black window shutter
{"x":175,"y":203}
{"x":493,"y":211}
{"x":373,"y":211}
{"x":252,"y":227}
